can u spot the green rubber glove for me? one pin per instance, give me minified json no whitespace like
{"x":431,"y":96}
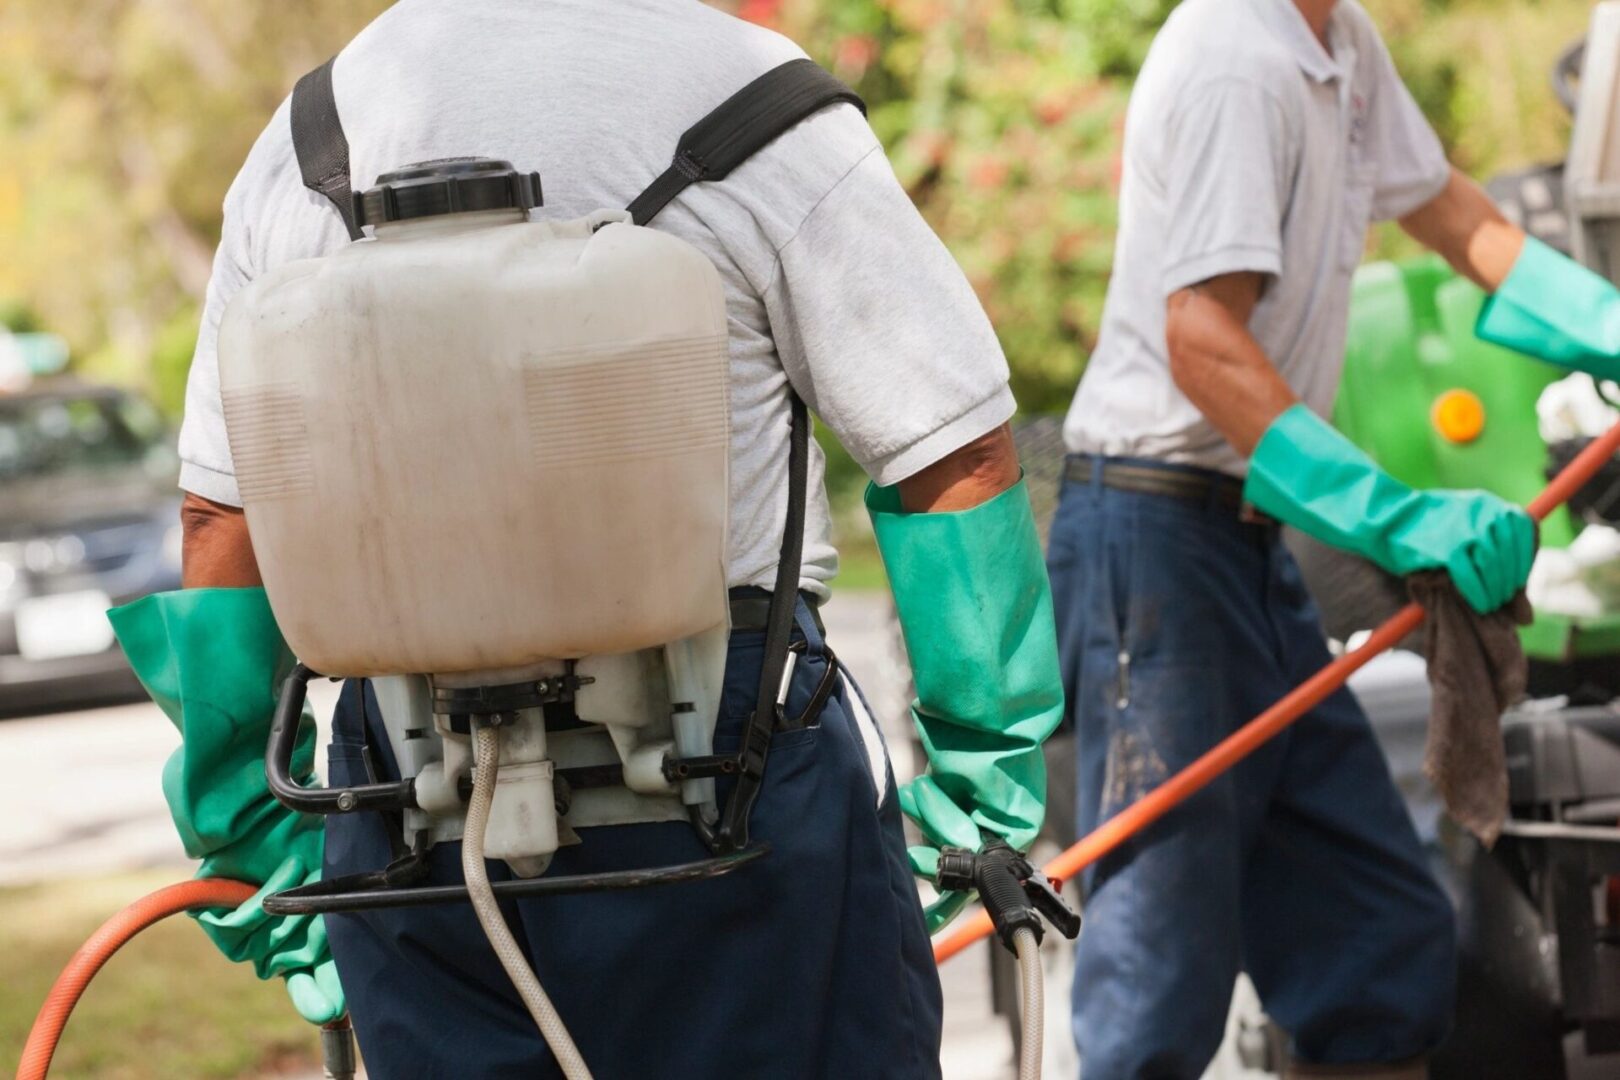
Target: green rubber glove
{"x":976,"y":612}
{"x":213,"y":660}
{"x":1308,"y":475}
{"x":1553,"y":308}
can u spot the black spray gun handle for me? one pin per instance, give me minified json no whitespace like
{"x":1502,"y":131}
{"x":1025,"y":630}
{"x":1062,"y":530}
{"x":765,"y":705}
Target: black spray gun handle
{"x":1015,"y":893}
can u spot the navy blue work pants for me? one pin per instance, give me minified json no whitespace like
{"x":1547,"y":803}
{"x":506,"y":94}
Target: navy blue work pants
{"x":1177,"y":624}
{"x":812,"y":962}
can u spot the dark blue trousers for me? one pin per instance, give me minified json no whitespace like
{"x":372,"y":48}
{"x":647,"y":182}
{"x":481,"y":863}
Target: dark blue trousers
{"x":812,"y":962}
{"x":1177,"y":624}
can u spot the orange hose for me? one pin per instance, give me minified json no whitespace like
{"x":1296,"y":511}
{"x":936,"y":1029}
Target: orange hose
{"x":112,"y":936}
{"x":1302,"y":699}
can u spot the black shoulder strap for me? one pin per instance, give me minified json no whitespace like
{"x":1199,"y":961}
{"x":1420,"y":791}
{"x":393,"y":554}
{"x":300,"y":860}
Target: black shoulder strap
{"x":321,"y":146}
{"x":770,"y":700}
{"x":741,"y":126}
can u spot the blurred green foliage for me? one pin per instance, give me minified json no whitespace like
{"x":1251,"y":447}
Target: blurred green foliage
{"x":123,"y":121}
{"x":1002,"y":119}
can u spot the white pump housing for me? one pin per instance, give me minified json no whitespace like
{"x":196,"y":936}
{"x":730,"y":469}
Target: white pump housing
{"x":475,"y":450}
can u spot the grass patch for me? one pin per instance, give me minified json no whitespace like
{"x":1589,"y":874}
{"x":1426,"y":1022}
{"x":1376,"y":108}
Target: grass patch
{"x":860,"y":568}
{"x":168,"y":1005}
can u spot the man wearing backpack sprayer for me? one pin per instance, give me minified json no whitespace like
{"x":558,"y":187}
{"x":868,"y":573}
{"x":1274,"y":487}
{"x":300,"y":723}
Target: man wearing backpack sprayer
{"x":1262,"y":137}
{"x":813,"y":961}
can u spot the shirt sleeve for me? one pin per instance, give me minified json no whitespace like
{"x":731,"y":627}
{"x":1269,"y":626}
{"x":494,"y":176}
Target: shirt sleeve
{"x":1411,"y":164}
{"x":880,"y":332}
{"x":1227,"y":163}
{"x":205,"y":453}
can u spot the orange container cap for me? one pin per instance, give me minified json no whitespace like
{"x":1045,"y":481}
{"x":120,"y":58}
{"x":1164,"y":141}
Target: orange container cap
{"x":1458,"y":415}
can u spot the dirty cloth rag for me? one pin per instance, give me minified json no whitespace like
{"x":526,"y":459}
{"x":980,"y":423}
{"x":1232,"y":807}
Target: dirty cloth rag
{"x":1477,"y":670}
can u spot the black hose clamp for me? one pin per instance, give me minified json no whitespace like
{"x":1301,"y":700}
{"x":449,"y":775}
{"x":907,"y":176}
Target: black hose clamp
{"x":1014,"y":892}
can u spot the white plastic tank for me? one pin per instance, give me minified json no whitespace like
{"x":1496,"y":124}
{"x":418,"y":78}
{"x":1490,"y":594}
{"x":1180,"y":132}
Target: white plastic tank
{"x":475,"y":442}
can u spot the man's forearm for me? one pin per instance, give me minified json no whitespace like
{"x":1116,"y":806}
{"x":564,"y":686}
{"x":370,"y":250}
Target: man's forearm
{"x":964,"y":478}
{"x":1464,"y":226}
{"x":1218,"y":364}
{"x":216,"y":551}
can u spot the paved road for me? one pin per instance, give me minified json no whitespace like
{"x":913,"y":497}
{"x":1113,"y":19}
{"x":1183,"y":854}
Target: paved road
{"x":83,"y":795}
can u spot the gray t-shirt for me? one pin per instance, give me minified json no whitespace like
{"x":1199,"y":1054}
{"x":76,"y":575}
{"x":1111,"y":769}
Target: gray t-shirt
{"x":1248,"y":147}
{"x":833,"y":280}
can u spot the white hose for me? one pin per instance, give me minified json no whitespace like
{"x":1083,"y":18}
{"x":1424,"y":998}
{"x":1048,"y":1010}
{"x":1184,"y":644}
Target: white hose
{"x":486,"y":762}
{"x":1033,"y":1006}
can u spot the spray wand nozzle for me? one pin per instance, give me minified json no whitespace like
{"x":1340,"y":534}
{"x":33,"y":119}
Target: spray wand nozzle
{"x":1014,"y":892}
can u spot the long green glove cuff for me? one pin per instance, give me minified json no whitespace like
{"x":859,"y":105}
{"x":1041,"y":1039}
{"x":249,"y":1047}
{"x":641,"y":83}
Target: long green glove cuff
{"x":1554,"y":308}
{"x":1310,"y":476}
{"x":976,"y":612}
{"x":213,"y":659}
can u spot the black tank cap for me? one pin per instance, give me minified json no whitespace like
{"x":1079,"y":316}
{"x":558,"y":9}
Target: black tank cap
{"x":461,"y":185}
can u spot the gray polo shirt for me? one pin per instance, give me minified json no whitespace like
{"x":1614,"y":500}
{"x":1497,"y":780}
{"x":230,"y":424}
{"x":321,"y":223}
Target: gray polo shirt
{"x":834,"y":284}
{"x":1248,"y":147}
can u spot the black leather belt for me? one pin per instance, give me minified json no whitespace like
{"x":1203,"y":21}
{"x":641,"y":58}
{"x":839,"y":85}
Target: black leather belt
{"x":1193,"y":485}
{"x":750,"y":605}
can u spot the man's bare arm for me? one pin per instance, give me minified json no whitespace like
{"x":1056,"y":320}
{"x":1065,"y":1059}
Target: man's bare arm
{"x":1218,"y":364}
{"x":964,"y":478}
{"x":1464,"y":225}
{"x":216,"y":551}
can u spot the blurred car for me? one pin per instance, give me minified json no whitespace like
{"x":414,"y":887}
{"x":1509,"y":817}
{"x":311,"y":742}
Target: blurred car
{"x":89,"y":519}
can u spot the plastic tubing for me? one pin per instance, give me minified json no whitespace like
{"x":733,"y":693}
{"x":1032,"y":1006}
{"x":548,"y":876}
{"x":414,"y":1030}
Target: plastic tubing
{"x":1033,"y":1005}
{"x":486,"y":764}
{"x":95,"y":952}
{"x":1302,"y":699}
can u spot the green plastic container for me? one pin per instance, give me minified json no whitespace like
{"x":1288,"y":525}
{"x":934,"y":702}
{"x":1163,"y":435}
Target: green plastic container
{"x":1411,"y":346}
{"x":1411,"y":343}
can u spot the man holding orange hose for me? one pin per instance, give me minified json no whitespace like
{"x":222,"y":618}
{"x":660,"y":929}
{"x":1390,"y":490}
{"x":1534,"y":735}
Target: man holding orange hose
{"x":1263,"y":137}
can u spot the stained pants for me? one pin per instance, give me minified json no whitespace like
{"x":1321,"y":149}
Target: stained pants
{"x":812,"y":962}
{"x":1177,"y":624}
